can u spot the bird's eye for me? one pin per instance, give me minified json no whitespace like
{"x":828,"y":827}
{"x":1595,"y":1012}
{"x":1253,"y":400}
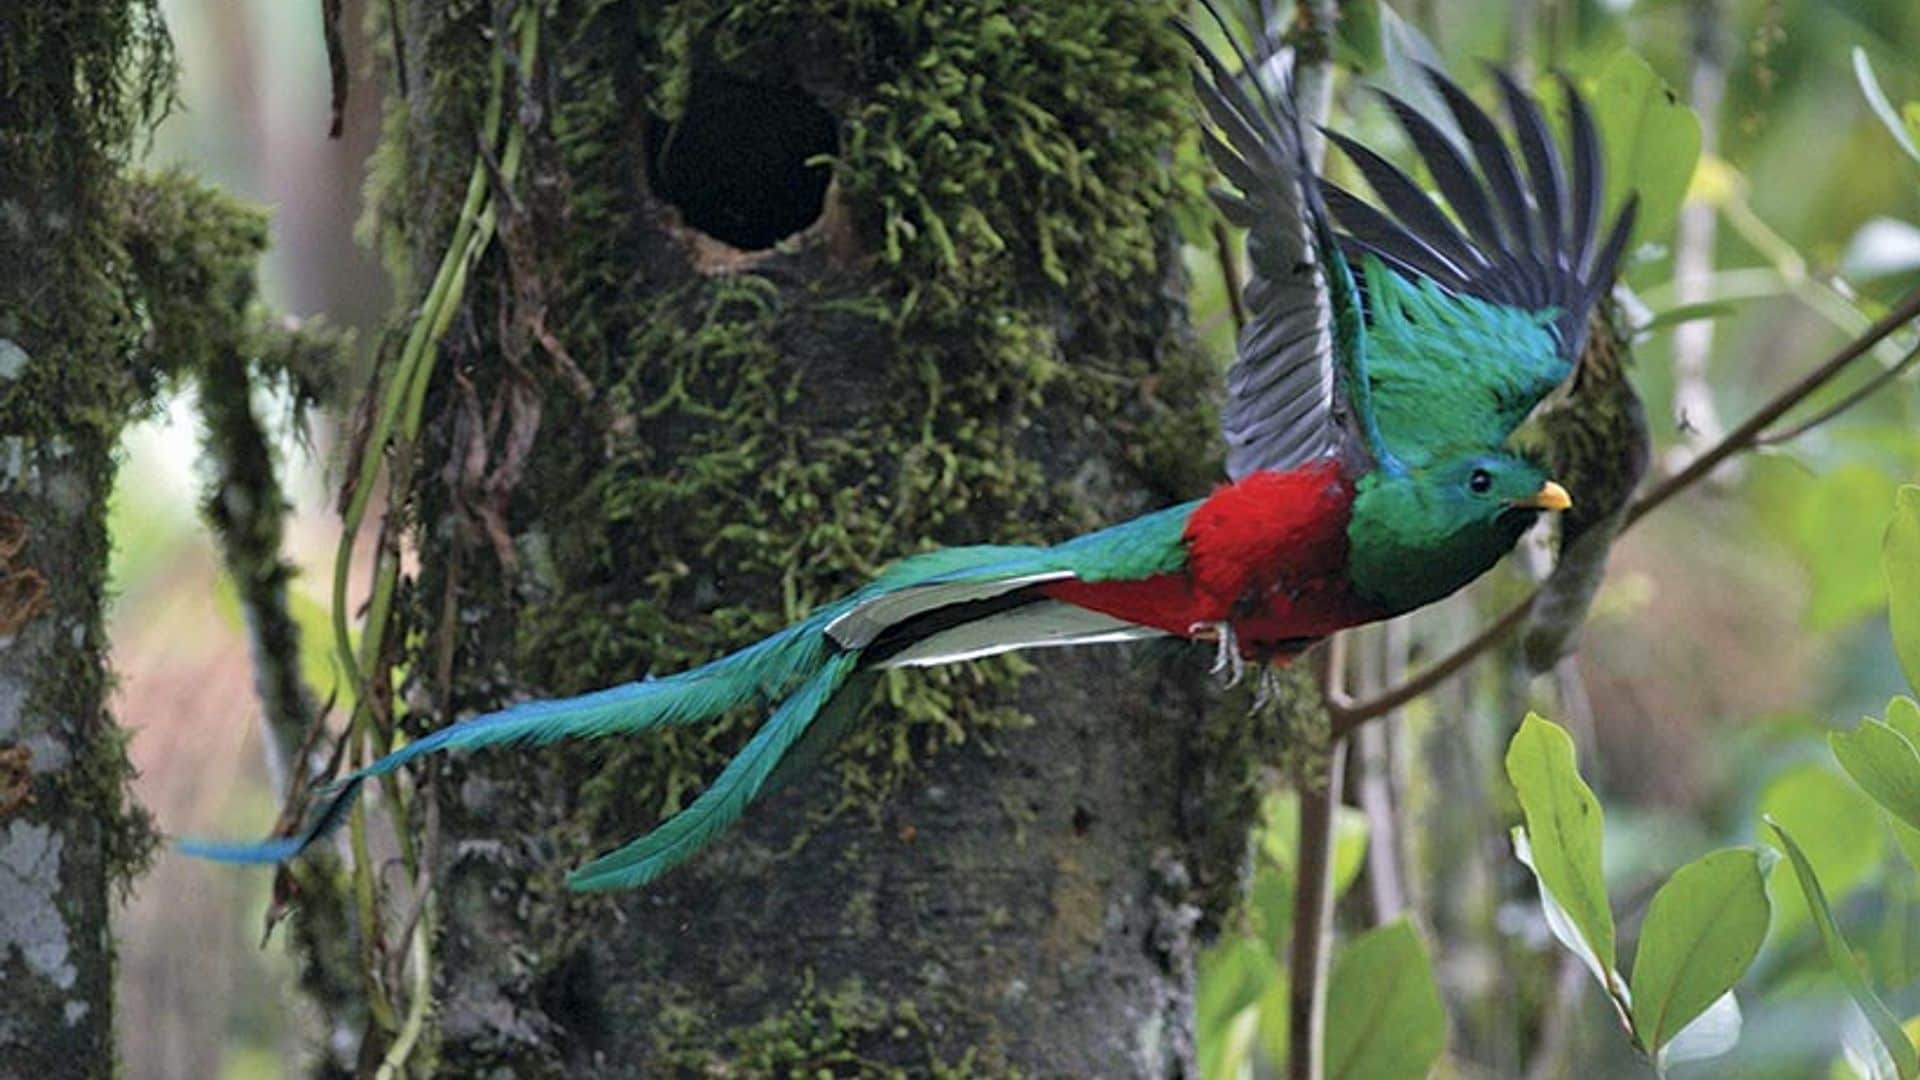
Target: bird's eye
{"x":1480,"y":482}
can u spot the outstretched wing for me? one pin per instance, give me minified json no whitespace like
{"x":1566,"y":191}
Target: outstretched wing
{"x":1507,"y":283}
{"x":1297,"y":390}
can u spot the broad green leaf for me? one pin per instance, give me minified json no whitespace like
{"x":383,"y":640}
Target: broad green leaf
{"x":1563,"y":826}
{"x":1652,"y":142}
{"x":1840,"y":826}
{"x":1270,"y":907}
{"x":1877,"y":99}
{"x":1840,"y":558}
{"x":1275,"y":1038}
{"x":1903,"y":716}
{"x":1229,"y":1051}
{"x":1702,"y":930}
{"x":1384,"y":1017}
{"x":1234,"y":975}
{"x":1356,"y":34}
{"x":1280,"y":838}
{"x":1908,"y":838}
{"x":1884,"y":764}
{"x":1900,"y":557}
{"x":1840,"y":956}
{"x":1560,"y":924}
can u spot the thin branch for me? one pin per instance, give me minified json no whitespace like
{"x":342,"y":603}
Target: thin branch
{"x":1313,"y":919}
{"x":1384,"y":664}
{"x":1865,"y":391}
{"x":1348,"y":716}
{"x":1313,"y":885}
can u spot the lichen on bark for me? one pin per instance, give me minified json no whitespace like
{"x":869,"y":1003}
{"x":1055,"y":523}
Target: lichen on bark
{"x":77,"y":83}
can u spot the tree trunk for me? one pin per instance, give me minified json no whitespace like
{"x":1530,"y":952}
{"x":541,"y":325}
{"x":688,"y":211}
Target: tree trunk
{"x":654,"y":435}
{"x":77,"y":81}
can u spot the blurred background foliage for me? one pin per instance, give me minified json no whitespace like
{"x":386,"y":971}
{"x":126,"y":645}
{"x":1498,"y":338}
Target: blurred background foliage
{"x":1737,"y":627}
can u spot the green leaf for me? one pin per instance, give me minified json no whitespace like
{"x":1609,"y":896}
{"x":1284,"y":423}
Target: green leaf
{"x":1384,"y":1016}
{"x":1280,"y":837}
{"x":1900,"y":559}
{"x":1885,"y":765}
{"x":1234,"y":976}
{"x":1652,"y":142}
{"x":1560,"y":924}
{"x":1563,"y":830}
{"x":1907,"y":132}
{"x":1841,"y":828}
{"x":1702,"y":931}
{"x":1903,"y":716}
{"x":1905,"y":1061}
{"x":1356,"y":34}
{"x":1845,"y":586}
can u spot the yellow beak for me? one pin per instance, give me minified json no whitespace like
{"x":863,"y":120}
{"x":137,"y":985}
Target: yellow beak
{"x":1551,"y":496}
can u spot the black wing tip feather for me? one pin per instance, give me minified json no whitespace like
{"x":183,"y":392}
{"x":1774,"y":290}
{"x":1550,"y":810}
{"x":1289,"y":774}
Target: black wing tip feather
{"x":1282,"y":406}
{"x":1531,"y":236}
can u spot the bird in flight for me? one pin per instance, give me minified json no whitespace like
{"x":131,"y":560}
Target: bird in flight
{"x":1388,"y":354}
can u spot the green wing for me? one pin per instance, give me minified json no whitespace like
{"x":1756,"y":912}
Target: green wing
{"x":1471,"y":325}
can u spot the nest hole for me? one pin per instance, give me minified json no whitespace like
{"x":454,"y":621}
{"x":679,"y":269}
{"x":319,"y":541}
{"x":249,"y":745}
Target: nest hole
{"x":736,"y":163}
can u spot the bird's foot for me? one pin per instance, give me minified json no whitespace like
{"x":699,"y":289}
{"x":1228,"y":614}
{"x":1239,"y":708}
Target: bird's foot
{"x":1227,"y":656}
{"x":1268,"y":687}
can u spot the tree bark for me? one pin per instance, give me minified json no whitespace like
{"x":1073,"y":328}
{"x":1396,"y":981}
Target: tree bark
{"x":645,"y":446}
{"x":77,"y":81}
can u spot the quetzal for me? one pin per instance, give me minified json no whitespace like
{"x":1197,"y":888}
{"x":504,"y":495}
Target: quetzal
{"x":1364,"y":423}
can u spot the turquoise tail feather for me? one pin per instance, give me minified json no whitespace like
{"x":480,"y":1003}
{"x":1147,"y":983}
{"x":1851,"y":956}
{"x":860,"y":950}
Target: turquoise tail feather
{"x":762,"y":671}
{"x":721,"y":804}
{"x":820,"y":687}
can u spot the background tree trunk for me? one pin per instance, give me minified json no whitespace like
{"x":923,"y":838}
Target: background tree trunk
{"x":77,"y":81}
{"x":654,"y":435}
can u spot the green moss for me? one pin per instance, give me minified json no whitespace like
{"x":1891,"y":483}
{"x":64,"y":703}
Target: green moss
{"x":821,"y":1034}
{"x":78,"y":83}
{"x":760,"y":442}
{"x":995,"y":231}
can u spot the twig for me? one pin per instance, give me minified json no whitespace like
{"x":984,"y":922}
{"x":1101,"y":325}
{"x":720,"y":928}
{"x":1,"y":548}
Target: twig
{"x":1348,"y":716}
{"x":1384,"y":663}
{"x":1313,"y":919}
{"x":247,"y":509}
{"x":336,"y":64}
{"x":1313,"y":884}
{"x":1865,"y":391}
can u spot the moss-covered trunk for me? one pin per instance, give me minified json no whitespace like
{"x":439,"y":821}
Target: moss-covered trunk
{"x":76,"y":82}
{"x":653,"y":435}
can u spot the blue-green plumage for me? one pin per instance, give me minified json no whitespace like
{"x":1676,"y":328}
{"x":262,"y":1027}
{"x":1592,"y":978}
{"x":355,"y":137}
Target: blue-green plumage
{"x":814,"y":679}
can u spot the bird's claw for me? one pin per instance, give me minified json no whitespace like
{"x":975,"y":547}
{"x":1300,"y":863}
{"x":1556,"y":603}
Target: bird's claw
{"x":1268,"y":687}
{"x":1226,"y":656}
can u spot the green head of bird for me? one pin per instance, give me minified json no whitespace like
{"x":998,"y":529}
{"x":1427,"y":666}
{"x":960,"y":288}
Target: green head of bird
{"x":1418,"y":534}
